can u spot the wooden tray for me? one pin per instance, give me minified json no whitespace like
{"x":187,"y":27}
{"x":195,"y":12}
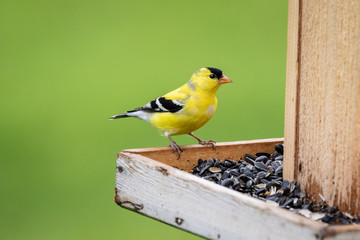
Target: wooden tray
{"x":152,"y":182}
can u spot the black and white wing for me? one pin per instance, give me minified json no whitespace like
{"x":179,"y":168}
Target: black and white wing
{"x":161,"y":104}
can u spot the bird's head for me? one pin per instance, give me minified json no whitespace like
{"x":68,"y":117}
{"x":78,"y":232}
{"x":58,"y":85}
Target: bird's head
{"x":208,"y":79}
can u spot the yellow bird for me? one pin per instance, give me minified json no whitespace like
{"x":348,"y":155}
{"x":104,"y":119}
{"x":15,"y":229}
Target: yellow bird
{"x":185,"y":109}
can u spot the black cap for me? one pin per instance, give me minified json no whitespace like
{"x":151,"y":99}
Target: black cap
{"x":218,"y":73}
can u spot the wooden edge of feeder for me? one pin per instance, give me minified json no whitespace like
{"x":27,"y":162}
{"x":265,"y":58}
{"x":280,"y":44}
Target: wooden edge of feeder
{"x":291,"y":91}
{"x":338,"y":232}
{"x":198,"y":146}
{"x":191,"y":154}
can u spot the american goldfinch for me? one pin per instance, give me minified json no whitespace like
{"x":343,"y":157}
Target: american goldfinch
{"x":185,"y":109}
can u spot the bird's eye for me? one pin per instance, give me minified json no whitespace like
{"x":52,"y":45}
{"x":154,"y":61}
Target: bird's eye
{"x":212,"y":75}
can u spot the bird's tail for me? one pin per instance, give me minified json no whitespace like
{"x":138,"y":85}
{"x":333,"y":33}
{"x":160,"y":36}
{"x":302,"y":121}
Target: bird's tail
{"x":124,"y":115}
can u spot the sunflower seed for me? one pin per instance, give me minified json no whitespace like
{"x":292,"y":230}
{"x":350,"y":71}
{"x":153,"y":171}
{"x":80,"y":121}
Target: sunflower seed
{"x":215,"y":169}
{"x":263,"y":154}
{"x":261,"y":159}
{"x":227,"y":182}
{"x":279,"y":148}
{"x":260,"y":166}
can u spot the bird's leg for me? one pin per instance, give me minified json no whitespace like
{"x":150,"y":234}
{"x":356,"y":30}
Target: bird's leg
{"x":205,"y":143}
{"x":175,"y":147}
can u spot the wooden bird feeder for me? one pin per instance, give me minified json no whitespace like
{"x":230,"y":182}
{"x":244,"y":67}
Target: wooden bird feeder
{"x":322,"y":144}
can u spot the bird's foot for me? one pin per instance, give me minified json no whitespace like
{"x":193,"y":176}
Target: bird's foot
{"x":210,"y":143}
{"x":176,"y":148}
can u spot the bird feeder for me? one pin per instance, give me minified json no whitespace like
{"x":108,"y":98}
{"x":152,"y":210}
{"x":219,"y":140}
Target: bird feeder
{"x":322,"y":144}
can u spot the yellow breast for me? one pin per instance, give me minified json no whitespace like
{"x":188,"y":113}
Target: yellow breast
{"x":197,"y":111}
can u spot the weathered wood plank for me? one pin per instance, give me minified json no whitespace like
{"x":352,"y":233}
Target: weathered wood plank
{"x":342,"y":232}
{"x":291,"y":96}
{"x":327,"y":126}
{"x":201,"y":207}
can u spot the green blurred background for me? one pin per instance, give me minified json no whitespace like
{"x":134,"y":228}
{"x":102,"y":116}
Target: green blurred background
{"x":65,"y":66}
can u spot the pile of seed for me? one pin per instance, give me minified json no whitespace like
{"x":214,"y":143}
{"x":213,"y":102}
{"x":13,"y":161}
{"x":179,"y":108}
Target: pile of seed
{"x":260,"y":176}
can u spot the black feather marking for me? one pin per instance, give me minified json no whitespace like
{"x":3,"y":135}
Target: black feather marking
{"x":135,"y":110}
{"x":218,"y":73}
{"x":170,"y":105}
{"x":141,"y":109}
{"x":154,"y":105}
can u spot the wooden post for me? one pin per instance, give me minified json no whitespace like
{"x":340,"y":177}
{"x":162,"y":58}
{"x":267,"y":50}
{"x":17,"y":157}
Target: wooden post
{"x":322,"y":121}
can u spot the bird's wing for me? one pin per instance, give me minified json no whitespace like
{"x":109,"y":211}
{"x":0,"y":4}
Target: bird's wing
{"x":161,"y":104}
{"x":172,"y":102}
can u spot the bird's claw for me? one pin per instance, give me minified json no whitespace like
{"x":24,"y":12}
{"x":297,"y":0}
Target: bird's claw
{"x":176,"y":148}
{"x":210,"y":143}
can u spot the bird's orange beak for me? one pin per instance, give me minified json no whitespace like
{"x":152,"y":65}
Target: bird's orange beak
{"x":224,"y":79}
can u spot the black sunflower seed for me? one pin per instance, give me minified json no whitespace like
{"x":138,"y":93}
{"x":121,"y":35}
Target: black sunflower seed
{"x":263,"y":154}
{"x":250,"y":160}
{"x":279,"y":170}
{"x":261,"y":166}
{"x":279,"y":148}
{"x":227,"y":182}
{"x":262,"y":158}
{"x":250,"y":156}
